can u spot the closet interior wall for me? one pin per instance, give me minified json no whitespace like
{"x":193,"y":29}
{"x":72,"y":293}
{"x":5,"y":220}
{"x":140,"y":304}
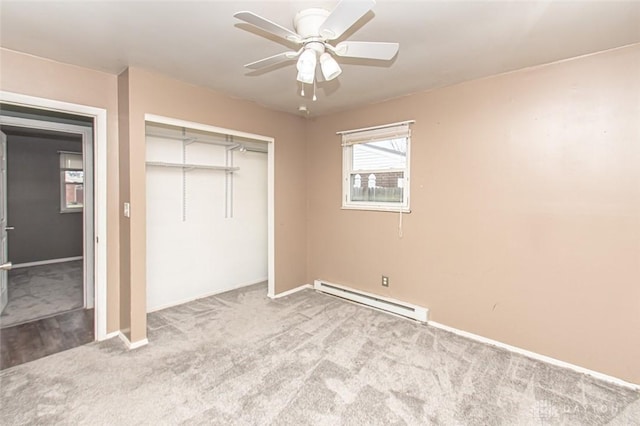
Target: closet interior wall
{"x":206,"y":214}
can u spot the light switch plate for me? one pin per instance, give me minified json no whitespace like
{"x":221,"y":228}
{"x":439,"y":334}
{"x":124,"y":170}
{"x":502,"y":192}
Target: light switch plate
{"x":127,"y":210}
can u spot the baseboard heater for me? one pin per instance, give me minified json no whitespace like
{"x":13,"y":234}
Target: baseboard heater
{"x":386,"y":304}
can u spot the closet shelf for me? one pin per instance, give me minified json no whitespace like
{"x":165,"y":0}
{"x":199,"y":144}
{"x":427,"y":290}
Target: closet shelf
{"x":188,"y":167}
{"x":189,"y":140}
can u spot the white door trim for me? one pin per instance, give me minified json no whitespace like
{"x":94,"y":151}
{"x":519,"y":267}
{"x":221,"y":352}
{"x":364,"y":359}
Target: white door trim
{"x":271,"y":248}
{"x":100,"y":195}
{"x":4,"y":273}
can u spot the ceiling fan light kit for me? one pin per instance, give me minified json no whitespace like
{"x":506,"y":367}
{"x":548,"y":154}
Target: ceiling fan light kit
{"x":307,"y":66}
{"x":305,"y":78}
{"x":315,"y":29}
{"x":329,"y":66}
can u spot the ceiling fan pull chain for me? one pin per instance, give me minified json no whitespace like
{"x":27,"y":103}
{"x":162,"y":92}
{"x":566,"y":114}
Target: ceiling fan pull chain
{"x":314,"y":91}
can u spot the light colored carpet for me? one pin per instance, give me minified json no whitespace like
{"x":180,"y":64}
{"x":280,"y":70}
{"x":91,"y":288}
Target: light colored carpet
{"x":42,"y":291}
{"x":307,"y":359}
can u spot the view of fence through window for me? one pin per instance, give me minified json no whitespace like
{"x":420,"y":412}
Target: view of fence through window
{"x":377,"y":171}
{"x":74,"y":186}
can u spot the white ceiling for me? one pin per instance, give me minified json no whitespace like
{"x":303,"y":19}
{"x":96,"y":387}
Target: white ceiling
{"x":441,"y":42}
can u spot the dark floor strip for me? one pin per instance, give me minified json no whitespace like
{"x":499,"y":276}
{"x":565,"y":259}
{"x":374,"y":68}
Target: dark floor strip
{"x":37,"y":339}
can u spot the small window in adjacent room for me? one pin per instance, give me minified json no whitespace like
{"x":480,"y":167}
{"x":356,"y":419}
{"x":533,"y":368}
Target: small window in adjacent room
{"x":71,"y":182}
{"x":376,"y":168}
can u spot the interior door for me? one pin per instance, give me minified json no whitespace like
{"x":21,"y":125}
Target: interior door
{"x":5,"y":265}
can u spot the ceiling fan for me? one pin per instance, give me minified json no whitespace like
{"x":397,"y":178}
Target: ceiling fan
{"x":315,"y":31}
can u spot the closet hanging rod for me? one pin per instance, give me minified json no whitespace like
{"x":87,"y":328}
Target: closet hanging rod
{"x":192,"y":166}
{"x":256,"y":150}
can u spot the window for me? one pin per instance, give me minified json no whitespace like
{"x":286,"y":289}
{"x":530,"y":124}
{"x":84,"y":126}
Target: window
{"x":376,"y":168}
{"x":71,"y":182}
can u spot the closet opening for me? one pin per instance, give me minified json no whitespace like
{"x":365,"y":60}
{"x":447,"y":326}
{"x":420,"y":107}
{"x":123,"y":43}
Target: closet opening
{"x":209,"y":208}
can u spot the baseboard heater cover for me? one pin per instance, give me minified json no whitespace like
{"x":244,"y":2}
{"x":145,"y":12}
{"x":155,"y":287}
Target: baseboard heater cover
{"x":394,"y":306}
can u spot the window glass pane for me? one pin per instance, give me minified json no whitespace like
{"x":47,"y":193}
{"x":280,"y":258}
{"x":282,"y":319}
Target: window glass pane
{"x":74,"y":195}
{"x":388,"y":154}
{"x":73,"y":176}
{"x":384,"y":187}
{"x":71,"y":181}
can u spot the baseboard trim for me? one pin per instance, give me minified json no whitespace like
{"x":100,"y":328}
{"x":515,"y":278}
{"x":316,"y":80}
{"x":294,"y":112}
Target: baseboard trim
{"x":291,"y":291}
{"x":537,"y":356}
{"x":46,"y":262}
{"x":109,"y":336}
{"x":191,"y":299}
{"x":134,"y":345}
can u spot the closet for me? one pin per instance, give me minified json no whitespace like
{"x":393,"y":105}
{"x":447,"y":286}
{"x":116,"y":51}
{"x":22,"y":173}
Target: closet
{"x":206,"y":213}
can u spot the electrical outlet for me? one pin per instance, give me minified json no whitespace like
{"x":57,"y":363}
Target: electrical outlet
{"x":385,"y":281}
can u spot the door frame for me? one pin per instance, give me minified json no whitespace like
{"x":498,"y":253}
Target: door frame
{"x":98,"y":249}
{"x":4,"y":273}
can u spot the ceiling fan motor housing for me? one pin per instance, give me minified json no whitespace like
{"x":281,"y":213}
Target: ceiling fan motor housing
{"x":307,"y":22}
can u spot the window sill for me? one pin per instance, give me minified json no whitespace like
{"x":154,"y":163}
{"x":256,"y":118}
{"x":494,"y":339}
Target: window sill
{"x":377,"y":208}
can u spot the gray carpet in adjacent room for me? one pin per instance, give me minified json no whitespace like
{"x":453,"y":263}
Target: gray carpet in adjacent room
{"x":307,"y":359}
{"x":42,"y":291}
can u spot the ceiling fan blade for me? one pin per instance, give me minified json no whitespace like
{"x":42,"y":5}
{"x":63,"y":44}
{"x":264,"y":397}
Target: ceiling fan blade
{"x":367,"y":50}
{"x":345,"y":14}
{"x":272,"y":60}
{"x":268,"y":26}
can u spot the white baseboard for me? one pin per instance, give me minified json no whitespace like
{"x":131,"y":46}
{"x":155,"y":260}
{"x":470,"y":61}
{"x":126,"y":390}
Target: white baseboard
{"x":46,"y":262}
{"x":134,"y":345}
{"x":537,"y":356}
{"x":291,"y":291}
{"x":200,"y":296}
{"x":109,"y":336}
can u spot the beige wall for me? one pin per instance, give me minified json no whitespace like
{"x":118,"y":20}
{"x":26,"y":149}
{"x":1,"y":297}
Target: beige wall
{"x":33,"y":76}
{"x":155,"y":94}
{"x":525,"y":197}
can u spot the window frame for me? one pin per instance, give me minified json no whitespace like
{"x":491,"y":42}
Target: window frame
{"x":376,"y":134}
{"x":63,"y":182}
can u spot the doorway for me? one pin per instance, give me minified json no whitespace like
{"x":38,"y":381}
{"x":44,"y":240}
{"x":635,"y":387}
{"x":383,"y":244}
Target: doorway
{"x":99,"y":119}
{"x":45,"y":211}
{"x":48,"y":194}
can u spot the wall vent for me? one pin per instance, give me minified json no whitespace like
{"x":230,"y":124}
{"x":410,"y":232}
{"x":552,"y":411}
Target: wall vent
{"x":386,"y":304}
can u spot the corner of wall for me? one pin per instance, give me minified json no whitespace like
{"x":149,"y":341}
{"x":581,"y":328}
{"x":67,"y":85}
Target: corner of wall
{"x":124,"y":179}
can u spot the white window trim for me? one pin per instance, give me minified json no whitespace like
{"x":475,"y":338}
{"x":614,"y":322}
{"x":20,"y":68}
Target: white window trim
{"x":63,"y":184}
{"x":369,"y":134}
